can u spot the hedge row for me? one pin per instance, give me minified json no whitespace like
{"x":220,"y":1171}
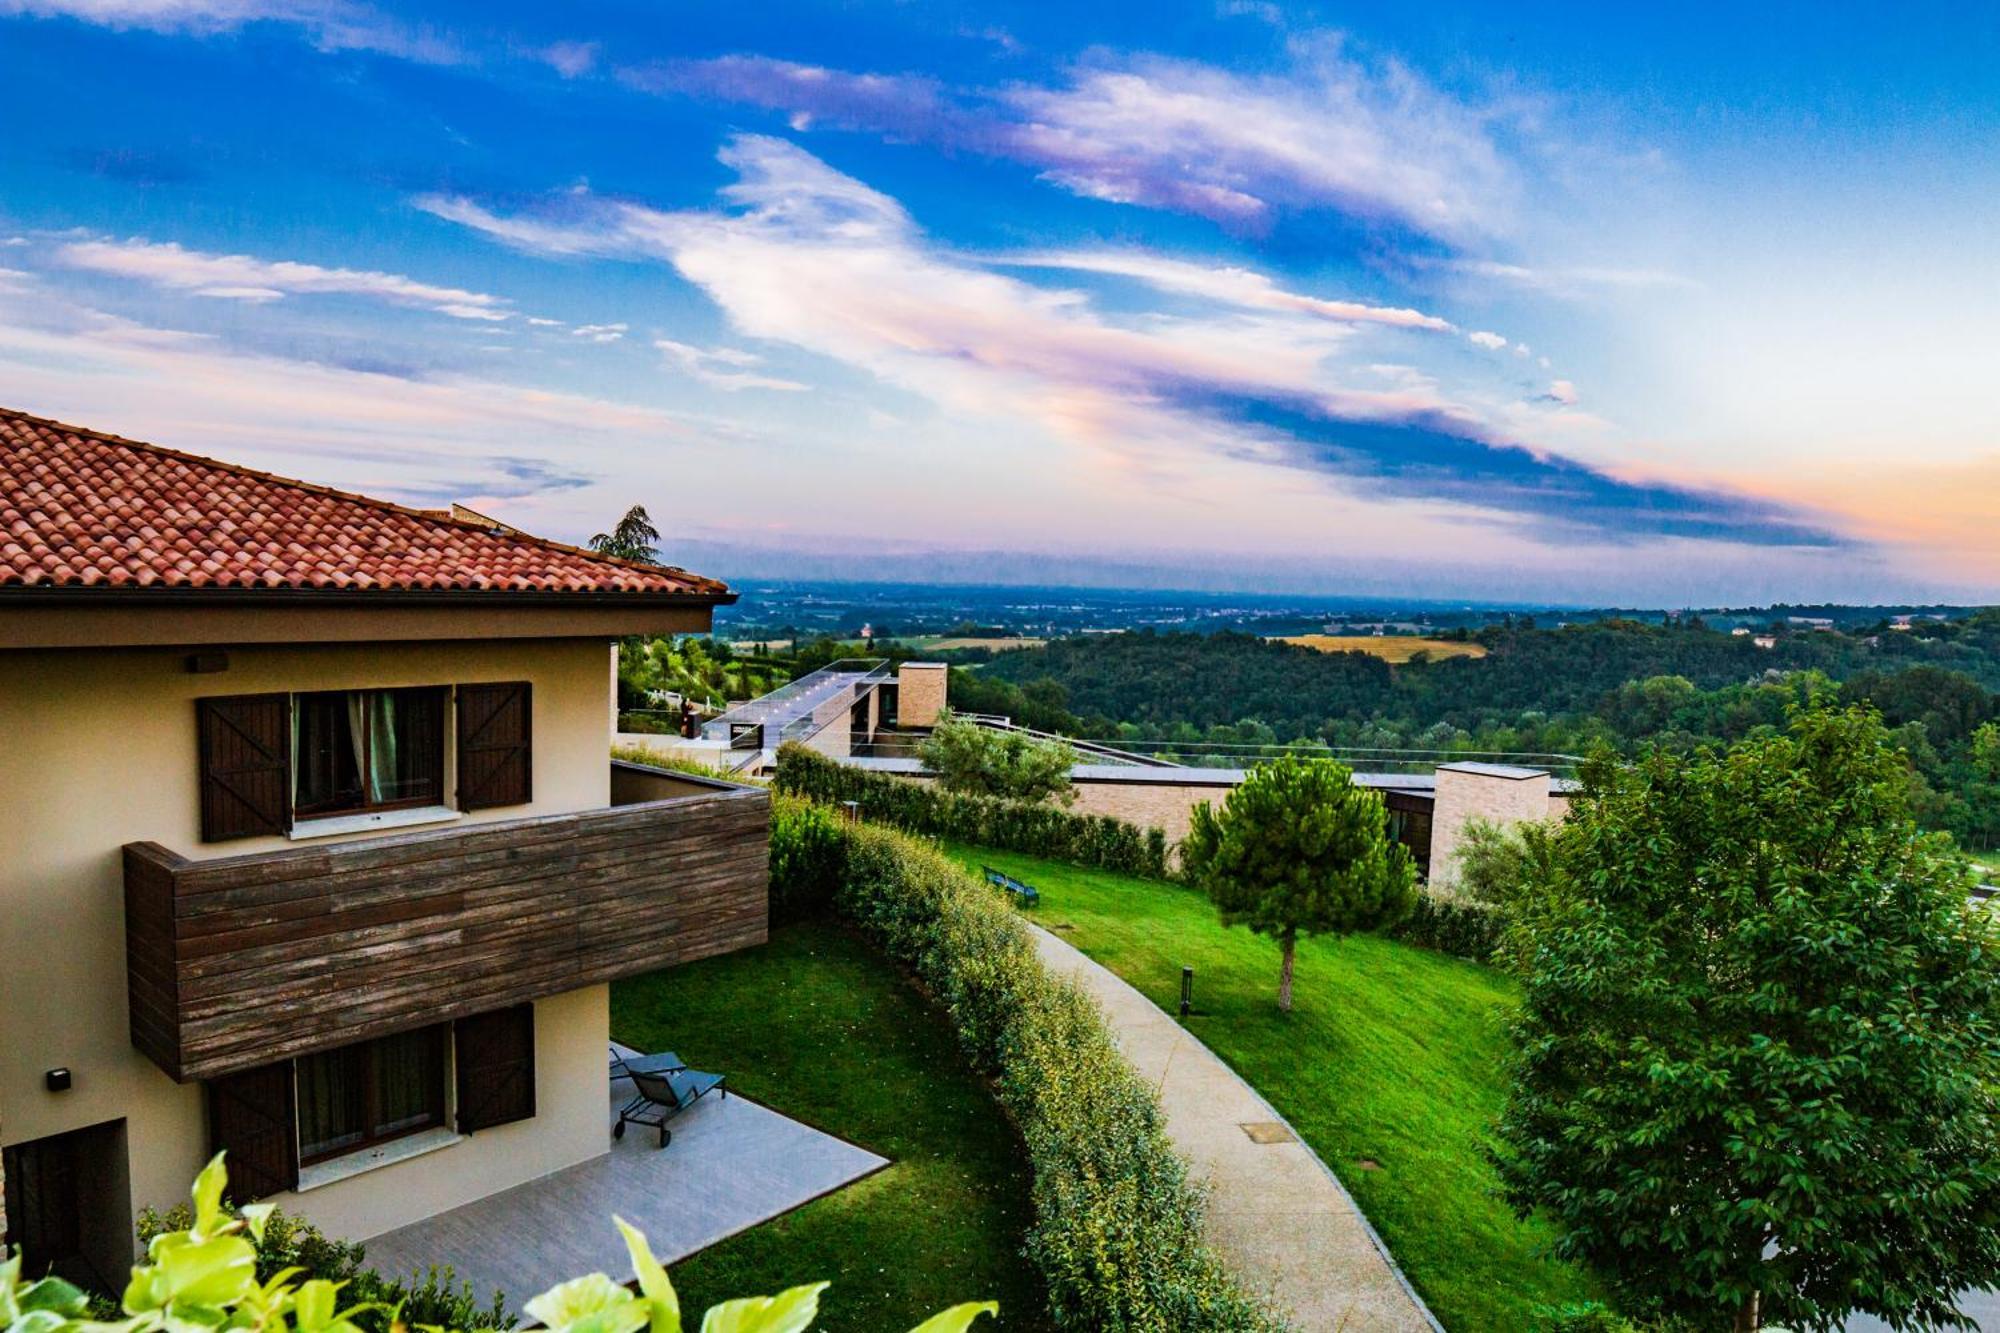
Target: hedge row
{"x":1015,"y":826}
{"x":1462,"y":927}
{"x":1117,"y":1230}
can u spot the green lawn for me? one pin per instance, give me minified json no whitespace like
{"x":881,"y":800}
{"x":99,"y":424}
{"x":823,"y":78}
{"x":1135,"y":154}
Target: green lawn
{"x":1987,"y":860}
{"x":816,"y":1025}
{"x":1391,"y":1056}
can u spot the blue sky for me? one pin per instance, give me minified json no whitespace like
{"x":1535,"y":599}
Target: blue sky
{"x":1590,"y":303}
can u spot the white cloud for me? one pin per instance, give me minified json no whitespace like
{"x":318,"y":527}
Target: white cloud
{"x":331,"y":25}
{"x":246,"y":278}
{"x":1227,"y":285}
{"x":601,"y":333}
{"x":1373,"y":140}
{"x":1487,"y":339}
{"x":1572,"y":281}
{"x":1562,"y":391}
{"x":724,"y":367}
{"x":569,"y":59}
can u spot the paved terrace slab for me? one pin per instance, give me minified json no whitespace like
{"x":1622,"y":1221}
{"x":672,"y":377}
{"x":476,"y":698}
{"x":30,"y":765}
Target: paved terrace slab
{"x":731,"y":1165}
{"x":1282,"y":1222}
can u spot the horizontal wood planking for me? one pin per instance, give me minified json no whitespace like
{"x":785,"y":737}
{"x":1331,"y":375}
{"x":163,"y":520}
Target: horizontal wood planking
{"x":241,"y":960}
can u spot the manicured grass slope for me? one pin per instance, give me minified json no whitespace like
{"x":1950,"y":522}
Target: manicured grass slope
{"x":1391,"y":1055}
{"x":816,"y":1025}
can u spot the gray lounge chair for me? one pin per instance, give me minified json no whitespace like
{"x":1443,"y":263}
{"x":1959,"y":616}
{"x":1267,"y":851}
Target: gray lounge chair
{"x":658,"y":1098}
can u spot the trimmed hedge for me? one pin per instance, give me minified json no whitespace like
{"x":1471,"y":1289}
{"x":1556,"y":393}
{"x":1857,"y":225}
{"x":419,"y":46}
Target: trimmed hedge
{"x":1462,"y":927}
{"x":1015,"y":826}
{"x":1117,"y":1230}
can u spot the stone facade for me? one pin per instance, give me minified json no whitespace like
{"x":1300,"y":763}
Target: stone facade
{"x":1163,"y":805}
{"x":920,"y":688}
{"x":1496,"y":793}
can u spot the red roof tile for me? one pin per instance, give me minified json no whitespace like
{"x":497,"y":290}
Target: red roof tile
{"x":80,"y":509}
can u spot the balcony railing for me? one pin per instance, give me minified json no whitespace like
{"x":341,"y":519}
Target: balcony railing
{"x":241,"y":960}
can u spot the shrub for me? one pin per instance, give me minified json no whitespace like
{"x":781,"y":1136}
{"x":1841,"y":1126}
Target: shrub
{"x":807,"y":852}
{"x":668,"y":758}
{"x":1461,"y":927}
{"x":286,"y":1242}
{"x":1037,"y":830}
{"x":1117,"y":1231}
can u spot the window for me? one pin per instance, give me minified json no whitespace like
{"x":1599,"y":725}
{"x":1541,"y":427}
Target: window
{"x":367,"y":750}
{"x":371,"y":1092}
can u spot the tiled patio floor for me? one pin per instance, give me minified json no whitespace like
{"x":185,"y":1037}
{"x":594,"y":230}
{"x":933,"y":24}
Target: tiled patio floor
{"x":731,"y":1165}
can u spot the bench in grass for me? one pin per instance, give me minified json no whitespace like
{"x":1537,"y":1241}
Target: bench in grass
{"x":1025,"y":892}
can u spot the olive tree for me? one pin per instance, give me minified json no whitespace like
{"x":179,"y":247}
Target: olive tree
{"x":993,"y":761}
{"x":1299,"y":849}
{"x":1757,"y":1055}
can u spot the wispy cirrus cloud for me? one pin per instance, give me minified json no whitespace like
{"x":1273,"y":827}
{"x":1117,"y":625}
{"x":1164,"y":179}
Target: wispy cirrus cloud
{"x":1224,"y":284}
{"x":727,"y":368}
{"x":331,"y":25}
{"x":1376,"y":142}
{"x":247,"y":278}
{"x":805,"y":255}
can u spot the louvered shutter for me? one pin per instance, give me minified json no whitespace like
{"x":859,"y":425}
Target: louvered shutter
{"x":246,"y":765}
{"x":494,"y":745}
{"x":496,"y":1067}
{"x":252,"y":1117}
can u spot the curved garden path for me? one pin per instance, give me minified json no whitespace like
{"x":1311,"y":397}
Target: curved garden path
{"x":1277,"y":1216}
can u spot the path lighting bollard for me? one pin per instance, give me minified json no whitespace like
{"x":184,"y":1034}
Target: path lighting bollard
{"x":1187,"y":991}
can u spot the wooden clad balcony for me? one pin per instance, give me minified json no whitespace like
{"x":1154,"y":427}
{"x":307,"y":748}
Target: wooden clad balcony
{"x":241,"y":960}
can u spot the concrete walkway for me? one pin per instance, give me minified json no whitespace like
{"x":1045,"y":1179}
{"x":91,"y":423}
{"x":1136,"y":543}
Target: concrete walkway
{"x":731,"y":1165}
{"x":1282,"y":1222}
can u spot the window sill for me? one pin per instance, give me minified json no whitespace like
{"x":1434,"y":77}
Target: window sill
{"x":368,"y":1159}
{"x":368,"y":820}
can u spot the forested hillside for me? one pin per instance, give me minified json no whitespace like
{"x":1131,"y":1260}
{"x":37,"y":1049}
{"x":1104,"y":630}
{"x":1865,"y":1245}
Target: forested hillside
{"x":1616,"y":683}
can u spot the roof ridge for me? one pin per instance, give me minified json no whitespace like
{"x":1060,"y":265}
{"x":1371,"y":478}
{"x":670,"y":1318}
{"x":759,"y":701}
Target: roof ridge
{"x":317,"y":488}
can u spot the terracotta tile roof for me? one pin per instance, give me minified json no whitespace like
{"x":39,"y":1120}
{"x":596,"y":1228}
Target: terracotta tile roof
{"x":81,"y":509}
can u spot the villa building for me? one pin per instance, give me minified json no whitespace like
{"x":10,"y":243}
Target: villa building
{"x":313,"y":850}
{"x":873,"y":713}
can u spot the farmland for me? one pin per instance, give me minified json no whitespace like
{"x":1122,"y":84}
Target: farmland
{"x":1394,"y":649}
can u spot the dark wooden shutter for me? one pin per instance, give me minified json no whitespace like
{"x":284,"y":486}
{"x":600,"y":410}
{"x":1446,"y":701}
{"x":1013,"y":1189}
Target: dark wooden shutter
{"x":496,"y":1068}
{"x":251,"y":1116}
{"x":494,"y":745}
{"x":246,"y":765}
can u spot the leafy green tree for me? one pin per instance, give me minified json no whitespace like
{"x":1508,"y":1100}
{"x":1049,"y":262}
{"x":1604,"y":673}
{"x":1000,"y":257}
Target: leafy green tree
{"x":988,"y":761}
{"x":632,"y":538}
{"x":1299,"y":849}
{"x":1757,"y":1056}
{"x":1504,"y":866}
{"x":1986,"y":751}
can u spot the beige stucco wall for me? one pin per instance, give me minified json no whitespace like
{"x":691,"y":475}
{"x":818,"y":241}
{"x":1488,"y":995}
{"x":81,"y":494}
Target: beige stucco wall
{"x":571,"y":1124}
{"x":99,"y":750}
{"x":920,"y":690}
{"x":1463,"y":797}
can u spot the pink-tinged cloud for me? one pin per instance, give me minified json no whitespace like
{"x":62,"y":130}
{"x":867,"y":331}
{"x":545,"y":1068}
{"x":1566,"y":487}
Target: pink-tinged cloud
{"x":1329,"y":133}
{"x":813,"y":258}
